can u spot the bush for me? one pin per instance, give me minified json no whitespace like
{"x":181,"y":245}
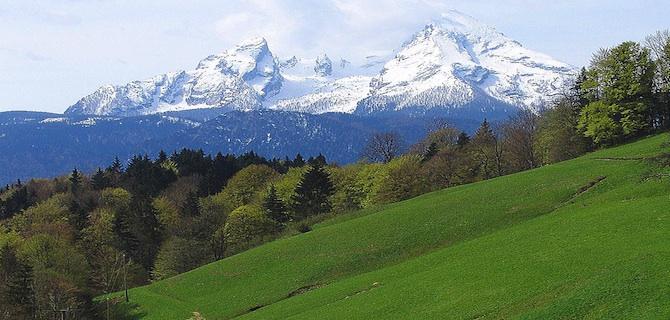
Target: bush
{"x":303,"y":227}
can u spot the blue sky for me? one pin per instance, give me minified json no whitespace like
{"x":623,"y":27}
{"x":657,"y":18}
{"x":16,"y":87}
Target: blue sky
{"x":54,"y":52}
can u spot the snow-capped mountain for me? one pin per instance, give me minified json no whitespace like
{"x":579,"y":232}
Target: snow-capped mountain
{"x":236,"y":79}
{"x":453,"y":64}
{"x":457,"y":61}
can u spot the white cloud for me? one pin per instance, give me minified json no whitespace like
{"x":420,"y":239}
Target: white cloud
{"x":341,"y":28}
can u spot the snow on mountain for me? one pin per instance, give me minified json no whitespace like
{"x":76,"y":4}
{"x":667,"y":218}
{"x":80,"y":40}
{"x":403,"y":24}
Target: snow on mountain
{"x":324,"y":66}
{"x":321,"y":85}
{"x":458,"y":61}
{"x":453,"y":63}
{"x":340,"y":95}
{"x":236,"y":79}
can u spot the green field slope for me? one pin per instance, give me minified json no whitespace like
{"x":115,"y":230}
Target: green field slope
{"x":587,"y":238}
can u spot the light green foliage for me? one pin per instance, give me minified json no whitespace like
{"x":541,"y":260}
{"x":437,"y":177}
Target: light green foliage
{"x":349,"y":194}
{"x":100,"y":230}
{"x":52,"y":213}
{"x":49,"y":255}
{"x":370,"y":179}
{"x":178,"y":255}
{"x":287,"y":183}
{"x":456,"y":253}
{"x":619,"y":85}
{"x":115,"y":198}
{"x":404,"y":180}
{"x":213,"y":204}
{"x":168,"y":215}
{"x":9,"y":239}
{"x":597,"y":122}
{"x":168,"y":164}
{"x":59,"y":269}
{"x":245,"y":223}
{"x":246,"y":186}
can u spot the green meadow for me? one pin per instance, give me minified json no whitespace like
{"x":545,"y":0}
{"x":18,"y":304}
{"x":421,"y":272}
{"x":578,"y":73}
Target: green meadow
{"x":587,"y":238}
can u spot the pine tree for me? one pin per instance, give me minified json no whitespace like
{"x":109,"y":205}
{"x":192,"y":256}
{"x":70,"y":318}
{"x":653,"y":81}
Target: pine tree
{"x":20,"y":293}
{"x":116,"y":166}
{"x":127,"y":241}
{"x":275,"y":208}
{"x":191,"y":206}
{"x":430,"y":152}
{"x":162,"y":156}
{"x":319,"y":160}
{"x":75,"y":180}
{"x":99,"y":180}
{"x":313,"y":192}
{"x":144,"y":231}
{"x":463,"y":140}
{"x":298,"y":161}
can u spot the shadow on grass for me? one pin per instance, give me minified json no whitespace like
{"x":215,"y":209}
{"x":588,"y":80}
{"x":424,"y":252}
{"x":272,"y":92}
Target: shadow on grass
{"x":118,"y":309}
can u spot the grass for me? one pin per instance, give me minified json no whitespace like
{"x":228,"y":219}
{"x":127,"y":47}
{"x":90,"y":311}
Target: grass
{"x":587,"y":238}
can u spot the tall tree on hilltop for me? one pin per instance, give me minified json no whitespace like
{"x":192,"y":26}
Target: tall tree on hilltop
{"x":75,"y":180}
{"x":313,"y":192}
{"x":619,"y":86}
{"x":383,"y":147}
{"x":659,"y":45}
{"x":319,"y":160}
{"x":114,"y":172}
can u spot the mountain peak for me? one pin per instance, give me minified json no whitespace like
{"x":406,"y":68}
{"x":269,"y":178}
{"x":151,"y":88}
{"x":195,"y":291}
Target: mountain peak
{"x":254,"y":42}
{"x":456,"y":61}
{"x":458,"y":21}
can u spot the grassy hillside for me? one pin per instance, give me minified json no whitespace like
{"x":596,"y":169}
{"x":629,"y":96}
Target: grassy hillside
{"x":587,"y":238}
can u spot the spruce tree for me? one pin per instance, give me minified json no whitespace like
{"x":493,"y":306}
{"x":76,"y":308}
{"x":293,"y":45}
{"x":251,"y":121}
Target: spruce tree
{"x":114,"y":172}
{"x":275,"y":208}
{"x":20,"y":293}
{"x":75,"y":180}
{"x":191,"y":206}
{"x":99,"y":180}
{"x":162,"y":156}
{"x":319,"y":160}
{"x":298,"y":161}
{"x":430,"y":152}
{"x":463,"y":140}
{"x":313,"y":192}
